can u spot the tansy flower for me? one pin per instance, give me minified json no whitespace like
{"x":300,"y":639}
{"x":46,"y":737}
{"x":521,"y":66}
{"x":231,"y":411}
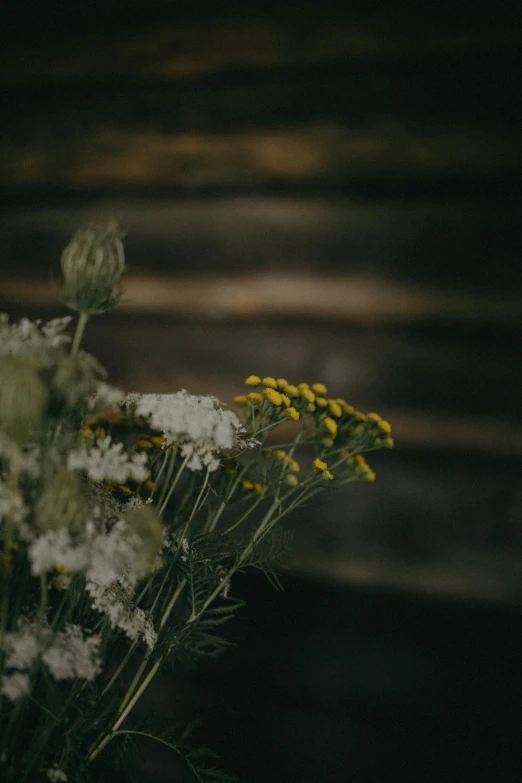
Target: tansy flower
{"x":272,"y":395}
{"x":292,"y":480}
{"x":144,"y":444}
{"x":258,"y":488}
{"x":249,"y":485}
{"x":158,"y":441}
{"x":282,"y":383}
{"x":253,"y":380}
{"x":310,"y":407}
{"x":320,"y":465}
{"x":335,"y":408}
{"x":385,"y":426}
{"x":302,"y":386}
{"x":241,"y":399}
{"x":328,"y":442}
{"x":374,"y":417}
{"x":349,"y":409}
{"x":293,"y":465}
{"x":388,"y":443}
{"x":255,"y":398}
{"x":293,"y":391}
{"x":331,"y":426}
{"x":286,"y":400}
{"x":321,"y":401}
{"x":271,"y":382}
{"x":293,"y":413}
{"x":319,"y":388}
{"x":308,"y":395}
{"x":280,"y":454}
{"x":327,"y":475}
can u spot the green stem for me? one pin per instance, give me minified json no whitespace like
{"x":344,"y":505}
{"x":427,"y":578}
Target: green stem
{"x":80,"y":329}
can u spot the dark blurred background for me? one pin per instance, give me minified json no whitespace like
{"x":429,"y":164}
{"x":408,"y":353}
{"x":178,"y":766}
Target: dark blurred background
{"x":319,"y":193}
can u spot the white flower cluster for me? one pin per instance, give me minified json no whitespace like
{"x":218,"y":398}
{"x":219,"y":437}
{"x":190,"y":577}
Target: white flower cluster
{"x":33,"y":338}
{"x":115,"y":601}
{"x":67,"y":654}
{"x":198,"y":424}
{"x":106,"y":396}
{"x":106,"y":461}
{"x":104,"y":556}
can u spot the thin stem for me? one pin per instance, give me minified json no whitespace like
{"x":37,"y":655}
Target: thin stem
{"x":80,"y":329}
{"x":173,"y":485}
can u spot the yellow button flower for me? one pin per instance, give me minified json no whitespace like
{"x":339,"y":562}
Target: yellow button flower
{"x":373,"y":417}
{"x":308,"y":395}
{"x":271,"y":382}
{"x":327,"y":475}
{"x":319,"y":388}
{"x":248,"y":485}
{"x":388,"y":443}
{"x":293,"y":465}
{"x":302,"y":386}
{"x":293,"y":413}
{"x":241,"y":399}
{"x":281,"y":383}
{"x":274,"y":396}
{"x":321,"y":401}
{"x":310,"y":407}
{"x":253,"y":380}
{"x":293,"y":391}
{"x":255,"y":398}
{"x":286,"y":399}
{"x":258,"y":488}
{"x":385,"y":426}
{"x":320,"y":465}
{"x":292,"y":480}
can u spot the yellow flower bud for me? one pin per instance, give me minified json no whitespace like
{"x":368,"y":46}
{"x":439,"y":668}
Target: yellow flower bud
{"x":292,"y":391}
{"x":302,"y":386}
{"x":241,"y":399}
{"x":254,"y":398}
{"x":385,"y":426}
{"x":293,"y":413}
{"x":286,"y":400}
{"x":248,"y":485}
{"x":310,"y":407}
{"x":388,"y":443}
{"x":319,"y":388}
{"x":373,"y":417}
{"x":281,"y":383}
{"x":321,"y":401}
{"x":293,"y":465}
{"x":320,"y":465}
{"x":253,"y":380}
{"x":292,"y":480}
{"x":258,"y":488}
{"x":327,"y":475}
{"x":271,"y":382}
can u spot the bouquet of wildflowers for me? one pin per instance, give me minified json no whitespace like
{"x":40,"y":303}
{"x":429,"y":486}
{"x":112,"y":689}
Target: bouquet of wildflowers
{"x":123,"y":520}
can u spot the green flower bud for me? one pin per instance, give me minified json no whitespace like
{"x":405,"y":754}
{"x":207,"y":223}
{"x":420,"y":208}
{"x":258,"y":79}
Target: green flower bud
{"x":92,"y":267}
{"x":144,"y":522}
{"x":23,"y":399}
{"x":62,"y":504}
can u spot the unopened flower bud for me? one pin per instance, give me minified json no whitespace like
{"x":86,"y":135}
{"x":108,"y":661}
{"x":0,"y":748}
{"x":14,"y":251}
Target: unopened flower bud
{"x":62,"y":504}
{"x":144,"y":522}
{"x":92,"y":267}
{"x":23,"y":399}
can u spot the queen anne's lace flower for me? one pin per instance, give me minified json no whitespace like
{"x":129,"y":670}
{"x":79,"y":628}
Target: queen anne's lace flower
{"x":115,"y":601}
{"x":56,"y":775}
{"x":198,"y":424}
{"x":106,"y":461}
{"x":40,"y":341}
{"x":15,"y":685}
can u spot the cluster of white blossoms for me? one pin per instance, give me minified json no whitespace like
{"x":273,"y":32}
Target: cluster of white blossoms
{"x":66,"y":654}
{"x":115,"y":601}
{"x":34,"y":339}
{"x":197,"y":423}
{"x":107,"y":461}
{"x":103,"y":555}
{"x":56,"y":775}
{"x":106,"y":396}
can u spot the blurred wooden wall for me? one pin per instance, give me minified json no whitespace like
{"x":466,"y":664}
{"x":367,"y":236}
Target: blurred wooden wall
{"x":311,"y":193}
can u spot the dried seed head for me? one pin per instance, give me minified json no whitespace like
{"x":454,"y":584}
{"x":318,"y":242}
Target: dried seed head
{"x":23,"y":399}
{"x":92,"y":267}
{"x":62,"y":504}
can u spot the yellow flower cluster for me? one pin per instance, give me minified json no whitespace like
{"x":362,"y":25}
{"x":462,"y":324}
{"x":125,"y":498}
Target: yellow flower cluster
{"x":322,"y":467}
{"x":361,"y":467}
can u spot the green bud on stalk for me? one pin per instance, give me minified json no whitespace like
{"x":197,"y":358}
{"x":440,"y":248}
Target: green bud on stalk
{"x":92,"y":267}
{"x":23,"y":399}
{"x":61,"y":504}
